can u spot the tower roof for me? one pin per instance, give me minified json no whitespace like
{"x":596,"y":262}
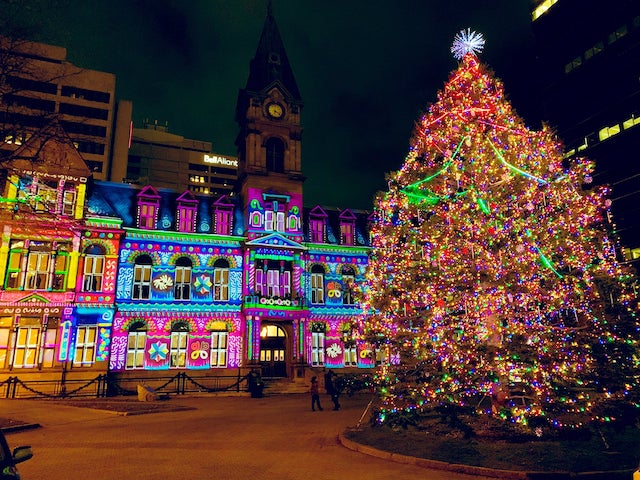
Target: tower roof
{"x":270,"y":64}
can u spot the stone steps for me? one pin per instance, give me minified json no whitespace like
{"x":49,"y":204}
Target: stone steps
{"x":281,"y":386}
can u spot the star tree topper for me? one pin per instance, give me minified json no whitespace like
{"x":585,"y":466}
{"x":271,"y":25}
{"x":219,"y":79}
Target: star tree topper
{"x":465,"y":42}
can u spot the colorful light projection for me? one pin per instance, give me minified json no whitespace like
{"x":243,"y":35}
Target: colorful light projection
{"x":158,"y":345}
{"x":270,"y":212}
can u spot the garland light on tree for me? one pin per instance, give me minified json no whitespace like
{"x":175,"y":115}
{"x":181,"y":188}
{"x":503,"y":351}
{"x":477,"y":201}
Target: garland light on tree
{"x":493,"y":273}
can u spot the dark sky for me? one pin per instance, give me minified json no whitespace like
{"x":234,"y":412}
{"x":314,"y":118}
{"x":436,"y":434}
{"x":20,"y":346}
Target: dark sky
{"x":366,"y":69}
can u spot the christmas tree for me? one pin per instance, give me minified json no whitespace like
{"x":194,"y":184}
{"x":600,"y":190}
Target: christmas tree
{"x":492,"y":258}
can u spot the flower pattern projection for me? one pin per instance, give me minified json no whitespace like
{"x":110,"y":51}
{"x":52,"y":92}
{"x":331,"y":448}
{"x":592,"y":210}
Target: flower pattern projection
{"x":203,"y":284}
{"x":163,"y":282}
{"x":334,"y":350}
{"x":158,"y":351}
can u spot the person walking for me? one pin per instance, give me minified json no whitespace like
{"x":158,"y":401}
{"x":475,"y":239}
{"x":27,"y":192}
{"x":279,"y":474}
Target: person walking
{"x":315,"y":394}
{"x":332,"y":389}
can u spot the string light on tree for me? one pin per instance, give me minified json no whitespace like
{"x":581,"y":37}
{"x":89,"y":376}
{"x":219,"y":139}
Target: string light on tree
{"x":491,"y":259}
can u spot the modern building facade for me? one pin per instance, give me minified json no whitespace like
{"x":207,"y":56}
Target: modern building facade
{"x":166,"y":160}
{"x":589,"y":54}
{"x":41,"y":85}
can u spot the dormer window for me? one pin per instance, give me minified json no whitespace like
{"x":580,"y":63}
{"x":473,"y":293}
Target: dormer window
{"x":317,"y":225}
{"x":186,"y":214}
{"x":147,"y":213}
{"x":148,"y":208}
{"x":347,"y":228}
{"x":346,"y":233}
{"x":317,"y":230}
{"x":223,"y":221}
{"x":223,"y":216}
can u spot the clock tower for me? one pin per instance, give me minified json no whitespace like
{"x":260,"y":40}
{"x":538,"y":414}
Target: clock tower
{"x":268,"y":114}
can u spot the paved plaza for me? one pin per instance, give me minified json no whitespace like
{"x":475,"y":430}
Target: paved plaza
{"x":276,"y":437}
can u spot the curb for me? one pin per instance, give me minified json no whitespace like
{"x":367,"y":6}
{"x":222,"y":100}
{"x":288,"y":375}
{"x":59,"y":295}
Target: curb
{"x":19,"y":428}
{"x":480,"y":471}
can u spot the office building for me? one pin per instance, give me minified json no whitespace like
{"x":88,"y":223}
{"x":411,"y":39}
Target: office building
{"x":41,"y":86}
{"x":167,"y":160}
{"x":589,"y":54}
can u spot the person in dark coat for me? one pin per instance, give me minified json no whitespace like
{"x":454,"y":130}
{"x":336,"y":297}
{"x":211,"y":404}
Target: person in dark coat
{"x":332,"y":389}
{"x":315,"y":394}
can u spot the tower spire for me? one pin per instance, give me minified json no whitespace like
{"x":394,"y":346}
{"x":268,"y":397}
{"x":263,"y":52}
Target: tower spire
{"x":270,"y":64}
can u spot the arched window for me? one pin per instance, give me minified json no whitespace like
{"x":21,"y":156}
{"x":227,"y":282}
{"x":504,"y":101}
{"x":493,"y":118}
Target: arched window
{"x":136,"y":340}
{"x":142,"y":278}
{"x":275,"y":155}
{"x":317,"y":284}
{"x":182,"y":283}
{"x":221,"y":280}
{"x":179,"y":336}
{"x":348,"y":277}
{"x":94,"y":261}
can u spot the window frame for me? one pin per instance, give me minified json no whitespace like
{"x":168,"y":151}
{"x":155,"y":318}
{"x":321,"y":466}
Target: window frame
{"x":348,"y":280}
{"x":137,"y":332}
{"x":93,"y":269}
{"x":87,"y":349}
{"x":141,"y":285}
{"x":317,"y":285}
{"x":179,"y":345}
{"x":223,"y":221}
{"x":221,"y":280}
{"x":28,"y":347}
{"x":186,"y":218}
{"x":147,"y":214}
{"x":317,"y":230}
{"x":318,"y":341}
{"x":182,"y":288}
{"x":219,"y":347}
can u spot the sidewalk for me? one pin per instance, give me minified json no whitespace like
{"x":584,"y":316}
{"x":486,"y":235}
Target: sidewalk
{"x":299,"y":436}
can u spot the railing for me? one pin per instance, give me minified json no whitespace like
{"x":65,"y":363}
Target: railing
{"x":266,"y":301}
{"x":107,"y":386}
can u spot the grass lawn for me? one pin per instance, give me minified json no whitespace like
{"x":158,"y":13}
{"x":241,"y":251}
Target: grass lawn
{"x":603,"y":450}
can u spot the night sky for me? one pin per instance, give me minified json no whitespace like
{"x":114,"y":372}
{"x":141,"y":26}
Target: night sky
{"x":366,"y":69}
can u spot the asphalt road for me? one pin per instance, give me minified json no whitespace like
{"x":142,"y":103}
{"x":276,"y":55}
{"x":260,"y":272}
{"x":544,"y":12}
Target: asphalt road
{"x":276,"y":437}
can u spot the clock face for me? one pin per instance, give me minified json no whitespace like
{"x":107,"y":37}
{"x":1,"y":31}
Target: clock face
{"x":275,"y":110}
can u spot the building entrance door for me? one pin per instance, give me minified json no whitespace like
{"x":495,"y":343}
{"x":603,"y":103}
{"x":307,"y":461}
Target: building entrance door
{"x":273,"y":340}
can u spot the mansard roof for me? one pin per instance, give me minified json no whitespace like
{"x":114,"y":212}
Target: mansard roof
{"x":121,"y":200}
{"x":333,"y":217}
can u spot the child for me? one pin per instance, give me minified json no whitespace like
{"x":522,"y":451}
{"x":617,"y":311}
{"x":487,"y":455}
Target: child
{"x":315,"y":394}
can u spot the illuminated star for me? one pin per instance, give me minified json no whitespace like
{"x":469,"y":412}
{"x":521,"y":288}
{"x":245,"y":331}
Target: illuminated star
{"x":467,"y":42}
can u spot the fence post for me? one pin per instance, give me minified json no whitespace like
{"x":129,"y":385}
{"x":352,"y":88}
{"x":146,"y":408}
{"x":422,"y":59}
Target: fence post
{"x":14,"y":387}
{"x":7,"y":393}
{"x":101,"y":386}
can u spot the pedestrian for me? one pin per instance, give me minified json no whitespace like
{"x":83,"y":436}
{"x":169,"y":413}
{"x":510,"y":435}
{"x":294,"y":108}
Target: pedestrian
{"x":332,"y":389}
{"x":315,"y":394}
